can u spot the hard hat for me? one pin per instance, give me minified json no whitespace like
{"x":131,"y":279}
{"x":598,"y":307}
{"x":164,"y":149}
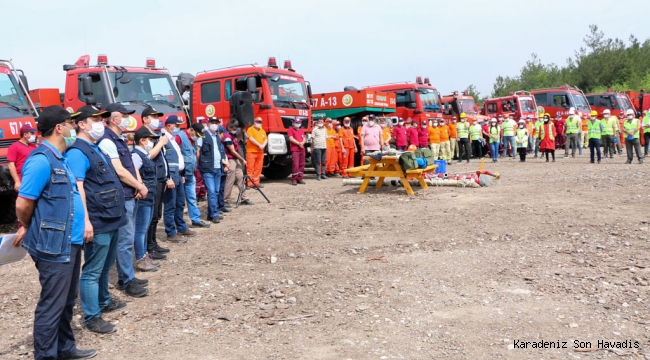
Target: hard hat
{"x":629,"y":112}
{"x":258,"y":119}
{"x":547,"y":115}
{"x":412,"y":148}
{"x":463,"y":115}
{"x":594,"y":113}
{"x":572,"y":111}
{"x":522,"y":121}
{"x":606,"y":111}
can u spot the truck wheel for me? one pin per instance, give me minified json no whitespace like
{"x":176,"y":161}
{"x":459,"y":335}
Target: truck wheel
{"x":277,"y":171}
{"x":8,"y":210}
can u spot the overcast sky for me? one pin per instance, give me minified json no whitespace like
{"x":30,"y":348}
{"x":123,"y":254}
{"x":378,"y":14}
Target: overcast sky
{"x":332,"y":43}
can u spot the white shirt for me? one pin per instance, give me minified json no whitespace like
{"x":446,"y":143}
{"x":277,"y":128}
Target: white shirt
{"x":137,"y":160}
{"x":109,"y":148}
{"x":181,"y":161}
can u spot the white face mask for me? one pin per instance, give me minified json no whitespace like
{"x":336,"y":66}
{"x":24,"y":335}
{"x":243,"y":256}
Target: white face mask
{"x":320,"y":125}
{"x":296,"y":125}
{"x":214,"y":127}
{"x":347,"y":125}
{"x":32,"y":139}
{"x":194,"y":138}
{"x":630,"y":117}
{"x":149,"y":146}
{"x":462,"y":120}
{"x":96,"y":131}
{"x":371,"y":123}
{"x":257,"y":125}
{"x":521,"y":126}
{"x":424,"y":126}
{"x":155,"y":123}
{"x":124,"y":123}
{"x":401,"y":123}
{"x":338,"y":127}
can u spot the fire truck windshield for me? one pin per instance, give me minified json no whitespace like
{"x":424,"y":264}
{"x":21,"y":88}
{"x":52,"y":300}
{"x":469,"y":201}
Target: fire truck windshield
{"x":288,"y":92}
{"x":145,"y":88}
{"x":527,"y":104}
{"x":468,"y":106}
{"x":429,"y":99}
{"x":12,"y":99}
{"x":579,"y":102}
{"x":624,"y":103}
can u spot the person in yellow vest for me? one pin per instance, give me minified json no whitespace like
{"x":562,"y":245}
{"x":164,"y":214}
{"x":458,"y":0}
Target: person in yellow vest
{"x":646,"y":133}
{"x":610,"y":130}
{"x":538,"y":125}
{"x":631,"y":130}
{"x":571,"y":132}
{"x":462,"y":137}
{"x":509,"y":127}
{"x":445,"y":146}
{"x":547,"y":134}
{"x":494,"y":133}
{"x":476,"y":133}
{"x":434,"y":138}
{"x":521,"y":139}
{"x":594,"y":132}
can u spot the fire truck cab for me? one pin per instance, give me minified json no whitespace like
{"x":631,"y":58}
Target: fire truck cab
{"x":455,"y":104}
{"x":560,"y":100}
{"x":614,"y":101}
{"x":419,"y":101}
{"x":278,"y":96}
{"x":16,"y":110}
{"x":133,"y":87}
{"x":518,"y":105}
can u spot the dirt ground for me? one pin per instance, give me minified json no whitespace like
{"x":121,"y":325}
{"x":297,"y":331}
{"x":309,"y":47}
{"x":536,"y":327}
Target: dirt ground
{"x":554,"y":252}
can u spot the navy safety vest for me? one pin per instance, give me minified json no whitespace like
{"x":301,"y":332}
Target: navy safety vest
{"x":172,"y":157}
{"x":159,"y":160}
{"x":50,"y":232}
{"x":125,"y":158}
{"x":104,"y":192}
{"x":188,"y":152}
{"x":206,"y":159}
{"x":148,"y":176}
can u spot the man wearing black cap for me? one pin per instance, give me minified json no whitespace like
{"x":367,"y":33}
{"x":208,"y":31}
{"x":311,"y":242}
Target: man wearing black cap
{"x":174,"y":195}
{"x":113,"y":145}
{"x":103,"y":199}
{"x":52,"y":213}
{"x":151,"y":121}
{"x":212,"y":163}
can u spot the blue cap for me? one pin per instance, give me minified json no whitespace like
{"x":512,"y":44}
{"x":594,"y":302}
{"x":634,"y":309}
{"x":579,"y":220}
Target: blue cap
{"x":173,"y":119}
{"x":221,"y":129}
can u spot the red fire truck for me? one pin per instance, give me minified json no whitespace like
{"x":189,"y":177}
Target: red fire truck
{"x":419,"y":101}
{"x":16,"y":110}
{"x":278,"y":96}
{"x":104,"y":83}
{"x":614,"y":101}
{"x":560,"y":100}
{"x":519,"y":105}
{"x":455,"y":104}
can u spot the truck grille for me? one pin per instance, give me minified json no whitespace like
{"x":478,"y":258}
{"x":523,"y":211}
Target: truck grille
{"x":287,"y":121}
{"x":6,"y":143}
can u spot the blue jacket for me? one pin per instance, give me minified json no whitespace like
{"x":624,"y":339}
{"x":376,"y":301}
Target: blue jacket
{"x":104,"y":192}
{"x":50,"y":230}
{"x":189,"y":154}
{"x":206,"y":158}
{"x":125,"y":159}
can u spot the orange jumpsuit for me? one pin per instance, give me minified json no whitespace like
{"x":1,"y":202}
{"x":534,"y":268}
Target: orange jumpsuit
{"x":332,"y":155}
{"x":339,"y":152}
{"x":255,"y":155}
{"x":346,"y":134}
{"x":453,"y":143}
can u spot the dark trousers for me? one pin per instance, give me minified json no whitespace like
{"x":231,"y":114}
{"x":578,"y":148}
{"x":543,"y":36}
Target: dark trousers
{"x":319,"y":159}
{"x":222,"y":188}
{"x":552,"y":152}
{"x":646,"y":138}
{"x":297,"y":165}
{"x":463,"y":146}
{"x":571,"y":142}
{"x":594,"y":146}
{"x":477,"y":149}
{"x":522,"y":153}
{"x":608,"y":145}
{"x":631,"y":146}
{"x":152,"y":243}
{"x":53,"y":336}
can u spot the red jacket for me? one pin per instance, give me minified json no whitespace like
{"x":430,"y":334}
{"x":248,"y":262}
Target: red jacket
{"x":412,"y":134}
{"x":399,"y":132}
{"x":423,"y":137}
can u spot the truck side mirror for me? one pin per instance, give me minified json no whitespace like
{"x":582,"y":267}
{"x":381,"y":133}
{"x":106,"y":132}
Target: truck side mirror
{"x":23,"y":79}
{"x":411,"y":96}
{"x":309,"y":91}
{"x":125,"y":79}
{"x":87,"y":88}
{"x":251,"y":86}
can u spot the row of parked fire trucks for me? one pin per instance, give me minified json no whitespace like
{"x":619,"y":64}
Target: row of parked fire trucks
{"x":277,"y":94}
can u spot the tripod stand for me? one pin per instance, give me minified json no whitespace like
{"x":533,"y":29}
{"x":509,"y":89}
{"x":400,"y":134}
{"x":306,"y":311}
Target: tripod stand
{"x":242,"y":186}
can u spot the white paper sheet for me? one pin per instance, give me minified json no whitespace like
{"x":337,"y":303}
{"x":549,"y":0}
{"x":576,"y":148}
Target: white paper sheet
{"x":9,"y":253}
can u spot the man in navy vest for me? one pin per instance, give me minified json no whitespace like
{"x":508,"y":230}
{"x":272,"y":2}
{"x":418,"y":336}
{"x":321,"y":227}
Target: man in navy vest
{"x":186,"y":139}
{"x":174,"y":195}
{"x":212,"y":162}
{"x":103,"y":199}
{"x":52,"y":214}
{"x":151,"y":121}
{"x":113,"y":145}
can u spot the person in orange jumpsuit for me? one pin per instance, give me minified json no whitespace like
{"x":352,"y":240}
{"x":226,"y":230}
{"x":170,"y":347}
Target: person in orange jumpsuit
{"x":621,"y":141}
{"x":453,"y":135}
{"x":445,"y":146}
{"x":348,"y":146}
{"x":547,"y":134}
{"x":339,"y":149}
{"x":386,"y":133}
{"x":331,"y":155}
{"x":434,"y":138}
{"x":255,"y":145}
{"x":584,"y":133}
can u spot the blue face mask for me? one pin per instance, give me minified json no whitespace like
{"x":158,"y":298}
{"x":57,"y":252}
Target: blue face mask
{"x":176,"y":131}
{"x":70,"y":140}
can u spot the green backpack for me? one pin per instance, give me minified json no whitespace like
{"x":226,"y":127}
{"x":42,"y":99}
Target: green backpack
{"x":407,"y":161}
{"x":425,"y":153}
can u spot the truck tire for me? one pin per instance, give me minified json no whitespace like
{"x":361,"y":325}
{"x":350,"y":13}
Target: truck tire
{"x":277,"y":171}
{"x":8,"y":208}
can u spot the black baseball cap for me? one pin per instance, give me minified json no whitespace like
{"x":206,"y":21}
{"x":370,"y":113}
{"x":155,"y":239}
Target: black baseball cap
{"x":142,"y":133}
{"x":150,"y":111}
{"x":91,"y":110}
{"x":52,"y":116}
{"x":173,"y":119}
{"x":198,"y":129}
{"x":119,"y":108}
